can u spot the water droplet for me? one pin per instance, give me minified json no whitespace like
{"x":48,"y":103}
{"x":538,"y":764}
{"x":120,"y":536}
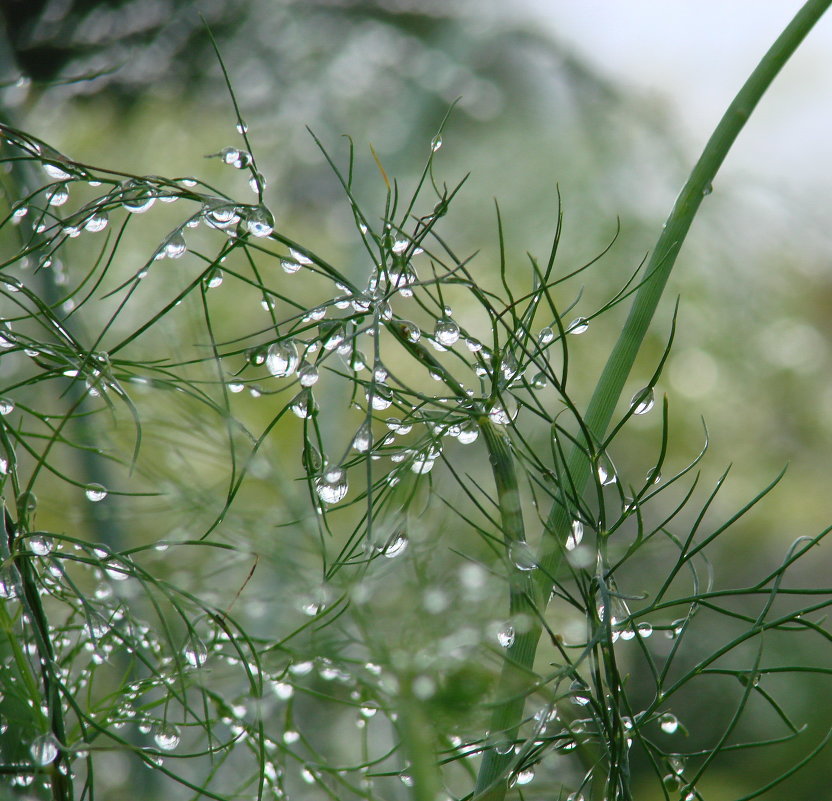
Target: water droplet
{"x":300,"y":258}
{"x":282,"y":358}
{"x":502,"y":414}
{"x":709,"y":187}
{"x":195,"y":651}
{"x":379,"y":396}
{"x":44,"y":749}
{"x":468,"y":433}
{"x":240,"y":159}
{"x":410,"y":330}
{"x":213,"y":278}
{"x":396,"y":546}
{"x":406,"y":779}
{"x":166,"y":736}
{"x":96,"y":222}
{"x":380,"y":373}
{"x":606,"y":470}
{"x":436,"y":143}
{"x":136,"y":197}
{"x":545,"y":336}
{"x":642,"y":402}
{"x":446,"y":332}
{"x":258,"y":221}
{"x":257,"y":356}
{"x":575,"y":797}
{"x":54,"y":171}
{"x":578,"y":326}
{"x":308,"y":375}
{"x":521,"y":555}
{"x":580,"y":693}
{"x":289,"y":266}
{"x":576,"y":534}
{"x":303,"y":404}
{"x":506,"y":636}
{"x":644,"y":629}
{"x":291,"y":736}
{"x":220,"y":214}
{"x":423,"y":462}
{"x":40,"y":545}
{"x":671,"y":782}
{"x":6,"y":406}
{"x":58,"y":195}
{"x":668,"y":723}
{"x":283,"y":690}
{"x":174,"y":246}
{"x":95,"y":492}
{"x":363,"y":439}
{"x":332,"y":485}
{"x":654,"y":476}
{"x":257,"y":182}
{"x":525,"y":776}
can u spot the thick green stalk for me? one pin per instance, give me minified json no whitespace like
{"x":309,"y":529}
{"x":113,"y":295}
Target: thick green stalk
{"x":491,"y":782}
{"x":517,"y":678}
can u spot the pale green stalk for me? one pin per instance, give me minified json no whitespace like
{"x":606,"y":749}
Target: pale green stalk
{"x":491,"y":782}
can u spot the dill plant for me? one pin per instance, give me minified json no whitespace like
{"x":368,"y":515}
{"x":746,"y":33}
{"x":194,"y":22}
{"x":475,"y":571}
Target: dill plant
{"x":432,"y":624}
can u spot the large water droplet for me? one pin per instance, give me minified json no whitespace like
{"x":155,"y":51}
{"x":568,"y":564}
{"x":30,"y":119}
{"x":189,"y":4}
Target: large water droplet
{"x":644,"y":629}
{"x":332,"y":486}
{"x":580,"y":693}
{"x":436,"y":143}
{"x":258,"y":221}
{"x":44,"y":749}
{"x":303,"y":404}
{"x":282,"y":358}
{"x":396,"y":546}
{"x":136,"y":197}
{"x":379,"y":396}
{"x":58,"y":195}
{"x":525,"y":776}
{"x":506,"y":636}
{"x":95,"y":492}
{"x":545,"y":336}
{"x":363,"y":439}
{"x":234,"y":157}
{"x":521,"y":555}
{"x":96,"y":222}
{"x":642,"y":402}
{"x":308,"y":375}
{"x":166,"y":736}
{"x":668,"y":723}
{"x":605,"y":470}
{"x":195,"y":651}
{"x":40,"y":545}
{"x":174,"y":247}
{"x":468,"y":433}
{"x":576,"y":534}
{"x":6,"y":406}
{"x":578,"y":326}
{"x":446,"y":332}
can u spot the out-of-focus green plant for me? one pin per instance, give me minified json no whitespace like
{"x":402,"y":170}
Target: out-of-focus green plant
{"x":433,"y":624}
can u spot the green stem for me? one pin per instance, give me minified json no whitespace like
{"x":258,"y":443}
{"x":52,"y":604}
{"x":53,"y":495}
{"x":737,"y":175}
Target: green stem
{"x":517,"y":678}
{"x":491,"y":782}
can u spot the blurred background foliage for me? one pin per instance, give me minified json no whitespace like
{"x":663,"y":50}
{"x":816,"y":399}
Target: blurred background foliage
{"x":135,"y":85}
